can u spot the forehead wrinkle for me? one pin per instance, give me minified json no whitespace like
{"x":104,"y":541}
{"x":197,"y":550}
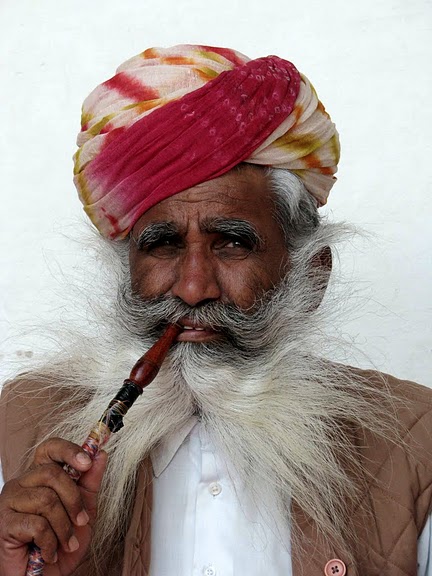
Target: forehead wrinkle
{"x":222,"y":197}
{"x":210,"y":222}
{"x":226,"y":194}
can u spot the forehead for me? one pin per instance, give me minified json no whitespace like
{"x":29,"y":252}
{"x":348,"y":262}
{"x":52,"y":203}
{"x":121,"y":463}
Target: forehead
{"x":241,"y":193}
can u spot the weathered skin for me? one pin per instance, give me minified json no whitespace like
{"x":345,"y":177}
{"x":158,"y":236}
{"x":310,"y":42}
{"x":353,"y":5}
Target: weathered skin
{"x":44,"y":505}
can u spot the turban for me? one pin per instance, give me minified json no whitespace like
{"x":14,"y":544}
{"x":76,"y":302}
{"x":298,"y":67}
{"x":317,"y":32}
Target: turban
{"x":172,"y":118}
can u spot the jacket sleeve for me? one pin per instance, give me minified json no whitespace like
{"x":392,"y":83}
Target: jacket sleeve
{"x":26,"y":414}
{"x":23,"y":406}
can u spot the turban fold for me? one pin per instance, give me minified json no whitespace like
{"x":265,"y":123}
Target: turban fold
{"x":173,"y":118}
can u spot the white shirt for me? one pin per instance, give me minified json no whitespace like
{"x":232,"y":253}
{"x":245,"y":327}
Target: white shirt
{"x":203,"y":524}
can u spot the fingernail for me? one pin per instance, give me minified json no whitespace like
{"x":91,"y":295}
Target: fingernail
{"x":73,"y":544}
{"x":82,"y":518}
{"x":55,"y":557}
{"x":83,"y":458}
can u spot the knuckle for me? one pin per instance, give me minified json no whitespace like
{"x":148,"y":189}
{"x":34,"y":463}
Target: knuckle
{"x":6,"y":520}
{"x":5,"y":508}
{"x":48,"y":544}
{"x":62,"y":486}
{"x":52,"y":472}
{"x":9,"y":487}
{"x":28,"y":528}
{"x":42,"y":447}
{"x":50,"y":445}
{"x":44,"y":497}
{"x":48,"y":474}
{"x":35,"y":525}
{"x":54,"y":450}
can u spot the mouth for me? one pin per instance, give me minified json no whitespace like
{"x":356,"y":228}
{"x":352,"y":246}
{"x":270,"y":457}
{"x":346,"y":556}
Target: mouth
{"x":196,"y":332}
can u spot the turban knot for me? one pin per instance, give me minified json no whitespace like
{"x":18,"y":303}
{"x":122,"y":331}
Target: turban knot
{"x":173,"y":118}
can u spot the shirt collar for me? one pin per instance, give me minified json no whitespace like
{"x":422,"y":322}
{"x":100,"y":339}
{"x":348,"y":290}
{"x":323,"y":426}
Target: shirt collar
{"x":162,"y":455}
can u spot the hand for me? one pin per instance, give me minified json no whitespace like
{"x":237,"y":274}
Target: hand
{"x":45,"y":506}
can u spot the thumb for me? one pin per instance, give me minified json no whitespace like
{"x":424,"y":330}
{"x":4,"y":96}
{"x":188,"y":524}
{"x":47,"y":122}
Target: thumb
{"x":90,"y":482}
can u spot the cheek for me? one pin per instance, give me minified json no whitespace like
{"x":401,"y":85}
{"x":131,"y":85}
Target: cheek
{"x":276,"y":267}
{"x":244,"y":284}
{"x":240,"y":282}
{"x":150,"y":278}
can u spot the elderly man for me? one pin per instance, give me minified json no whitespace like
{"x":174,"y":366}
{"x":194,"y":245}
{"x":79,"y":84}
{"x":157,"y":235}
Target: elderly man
{"x":249,"y":453}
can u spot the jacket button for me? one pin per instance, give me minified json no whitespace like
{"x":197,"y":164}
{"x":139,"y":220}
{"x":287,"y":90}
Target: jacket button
{"x":335,"y":567}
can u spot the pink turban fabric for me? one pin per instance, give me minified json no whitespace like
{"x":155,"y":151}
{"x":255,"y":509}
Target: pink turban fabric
{"x":173,"y":118}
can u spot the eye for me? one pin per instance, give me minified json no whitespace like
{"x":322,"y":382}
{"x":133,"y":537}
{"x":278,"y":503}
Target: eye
{"x":233,"y":247}
{"x":166,"y":247}
{"x":237,"y":243}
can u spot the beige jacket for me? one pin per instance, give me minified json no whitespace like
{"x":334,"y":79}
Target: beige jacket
{"x":398,"y":494}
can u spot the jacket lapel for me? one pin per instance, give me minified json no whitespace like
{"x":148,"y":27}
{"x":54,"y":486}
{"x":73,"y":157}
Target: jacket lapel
{"x":310,"y":550}
{"x":137,"y":545}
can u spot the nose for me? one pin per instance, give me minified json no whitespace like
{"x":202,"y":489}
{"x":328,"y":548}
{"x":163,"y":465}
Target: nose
{"x":196,"y":278}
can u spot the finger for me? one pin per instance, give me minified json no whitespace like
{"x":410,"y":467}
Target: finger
{"x":90,"y":482}
{"x":44,"y":502}
{"x":62,"y":452}
{"x":54,"y":477}
{"x":20,"y":530}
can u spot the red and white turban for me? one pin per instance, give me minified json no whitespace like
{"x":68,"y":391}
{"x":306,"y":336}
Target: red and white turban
{"x":173,"y":118}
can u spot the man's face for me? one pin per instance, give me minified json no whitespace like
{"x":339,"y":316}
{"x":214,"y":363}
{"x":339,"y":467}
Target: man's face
{"x":217,"y":241}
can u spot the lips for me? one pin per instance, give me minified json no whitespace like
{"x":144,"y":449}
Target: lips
{"x":196,"y":332}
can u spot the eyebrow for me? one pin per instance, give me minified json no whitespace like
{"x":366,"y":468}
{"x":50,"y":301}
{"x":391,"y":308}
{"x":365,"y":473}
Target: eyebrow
{"x":234,"y":227}
{"x":155,"y":232}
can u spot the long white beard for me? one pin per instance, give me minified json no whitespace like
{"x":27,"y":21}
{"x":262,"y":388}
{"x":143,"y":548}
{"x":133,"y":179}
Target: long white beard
{"x":266,"y":399}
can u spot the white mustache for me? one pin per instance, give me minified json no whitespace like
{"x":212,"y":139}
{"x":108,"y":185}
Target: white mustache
{"x":246,"y":330}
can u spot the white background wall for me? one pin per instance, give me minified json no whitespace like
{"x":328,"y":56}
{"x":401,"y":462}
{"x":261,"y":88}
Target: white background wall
{"x":370,"y":62}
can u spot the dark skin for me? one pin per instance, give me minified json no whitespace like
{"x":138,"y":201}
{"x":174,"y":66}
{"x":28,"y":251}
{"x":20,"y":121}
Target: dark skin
{"x":215,"y":241}
{"x":46,"y":506}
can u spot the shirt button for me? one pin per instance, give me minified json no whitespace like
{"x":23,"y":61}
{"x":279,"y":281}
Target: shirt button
{"x":209,"y":571}
{"x":335,"y":567}
{"x":215,"y":489}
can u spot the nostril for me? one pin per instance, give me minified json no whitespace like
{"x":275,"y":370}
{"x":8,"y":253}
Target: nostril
{"x":206,"y":301}
{"x":194,"y":300}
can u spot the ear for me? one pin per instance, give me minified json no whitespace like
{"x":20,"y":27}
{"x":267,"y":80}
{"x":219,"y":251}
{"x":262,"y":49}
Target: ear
{"x":322,"y":264}
{"x":323,"y":259}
